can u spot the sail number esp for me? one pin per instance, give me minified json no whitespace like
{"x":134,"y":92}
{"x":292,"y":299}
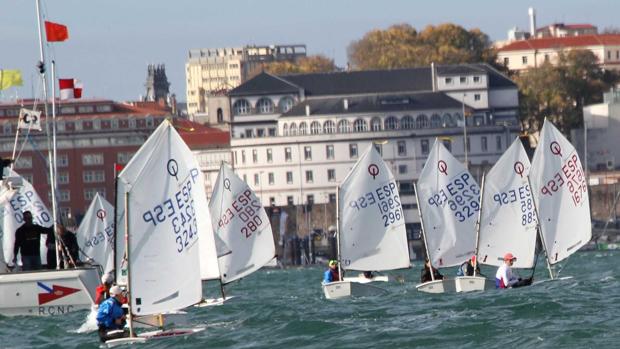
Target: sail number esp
{"x":247,"y":207}
{"x":386,"y":200}
{"x":460,"y":195}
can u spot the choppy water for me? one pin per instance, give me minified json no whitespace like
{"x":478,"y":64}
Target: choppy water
{"x":286,"y":309}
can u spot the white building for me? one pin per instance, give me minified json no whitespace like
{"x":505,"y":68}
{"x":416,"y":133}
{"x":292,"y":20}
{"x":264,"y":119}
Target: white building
{"x":294,"y":138}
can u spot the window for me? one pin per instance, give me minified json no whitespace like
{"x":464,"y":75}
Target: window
{"x":608,"y":54}
{"x":463,"y":80}
{"x":286,"y":104}
{"x":448,"y":144}
{"x":331,"y":175}
{"x":406,"y":123}
{"x":303,"y":128}
{"x":421,"y":121}
{"x":315,"y":128}
{"x":402,"y":148}
{"x":93,"y":176}
{"x":241,"y":107}
{"x":307,"y":153}
{"x":264,"y":106}
{"x":123,"y":157}
{"x":293,"y":129}
{"x":269,"y":155}
{"x":448,"y":81}
{"x":477,"y":78}
{"x":360,"y":125}
{"x":272,"y":201}
{"x":310,"y":200}
{"x":254,"y":155}
{"x":375,"y":124}
{"x":63,"y":177}
{"x":436,"y":121}
{"x":271,"y":178}
{"x":448,"y":121}
{"x":23,"y":162}
{"x":288,"y":156}
{"x":257,"y":179}
{"x":260,"y":132}
{"x":220,"y":116}
{"x":290,"y":201}
{"x":249,"y":133}
{"x":65,"y":195}
{"x":402,"y":169}
{"x":476,"y":97}
{"x":332,"y":198}
{"x":92,"y":159}
{"x":285,"y":130}
{"x":309,"y":177}
{"x":329,"y":127}
{"x":289,"y":177}
{"x":243,"y":156}
{"x":524,"y":59}
{"x":62,"y":160}
{"x":329,"y":151}
{"x":498,"y":142}
{"x":425,"y":148}
{"x":391,"y":123}
{"x":483,"y":143}
{"x":271,"y":131}
{"x":353,"y":151}
{"x":546,"y":58}
{"x":344,"y":126}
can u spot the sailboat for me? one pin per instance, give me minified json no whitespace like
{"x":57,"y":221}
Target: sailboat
{"x":162,"y":226}
{"x":370,"y":230}
{"x":561,"y":196}
{"x":96,"y":234}
{"x":243,"y":235}
{"x":448,"y":204}
{"x":507,"y":220}
{"x":39,"y":292}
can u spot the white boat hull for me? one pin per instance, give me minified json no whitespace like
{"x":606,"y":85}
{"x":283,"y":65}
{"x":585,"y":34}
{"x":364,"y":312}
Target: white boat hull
{"x":437,"y":286}
{"x":159,"y":334}
{"x":48,"y":292}
{"x":365,"y":280}
{"x":473,"y":283}
{"x":342,"y":289}
{"x":209,"y":302}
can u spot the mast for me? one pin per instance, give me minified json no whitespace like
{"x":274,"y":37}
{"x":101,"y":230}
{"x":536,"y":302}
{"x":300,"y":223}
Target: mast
{"x":50,"y":152}
{"x":539,"y":228}
{"x":127,"y":252}
{"x":338,"y":232}
{"x":415,"y":189}
{"x":478,"y":222}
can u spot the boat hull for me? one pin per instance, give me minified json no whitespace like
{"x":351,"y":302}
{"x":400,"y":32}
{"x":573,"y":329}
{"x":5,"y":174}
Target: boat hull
{"x":48,"y":292}
{"x":437,"y":286}
{"x":365,"y":280}
{"x":343,"y":289}
{"x":473,"y":283}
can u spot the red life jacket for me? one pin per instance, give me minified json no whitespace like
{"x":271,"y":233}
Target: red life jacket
{"x":101,"y":294}
{"x":335,"y":275}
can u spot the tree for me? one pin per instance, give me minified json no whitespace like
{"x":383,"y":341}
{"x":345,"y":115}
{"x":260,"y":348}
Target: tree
{"x":401,"y":46}
{"x":560,"y":92}
{"x":309,"y":64}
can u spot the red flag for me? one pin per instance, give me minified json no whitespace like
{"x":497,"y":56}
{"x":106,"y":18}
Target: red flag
{"x":56,"y":32}
{"x":70,"y":88}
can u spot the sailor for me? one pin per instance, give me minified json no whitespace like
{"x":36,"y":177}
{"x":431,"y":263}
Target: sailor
{"x":103,"y":290}
{"x":504,"y":277}
{"x":111,"y":317}
{"x":426,"y":273}
{"x":331,"y":274}
{"x":28,"y":242}
{"x":69,"y":244}
{"x":467,"y":268}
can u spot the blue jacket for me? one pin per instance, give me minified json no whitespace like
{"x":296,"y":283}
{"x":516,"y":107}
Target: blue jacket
{"x":328,"y":276}
{"x":109,"y":311}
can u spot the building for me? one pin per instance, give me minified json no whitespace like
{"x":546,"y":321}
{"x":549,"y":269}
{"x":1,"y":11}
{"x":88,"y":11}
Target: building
{"x":561,"y":30}
{"x":221,"y":69}
{"x":524,"y":54}
{"x":602,"y":122}
{"x":92,"y":136}
{"x":295,"y":137}
{"x":157,"y":85}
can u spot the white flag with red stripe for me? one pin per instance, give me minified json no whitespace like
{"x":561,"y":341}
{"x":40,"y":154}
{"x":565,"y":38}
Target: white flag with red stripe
{"x":70,"y":88}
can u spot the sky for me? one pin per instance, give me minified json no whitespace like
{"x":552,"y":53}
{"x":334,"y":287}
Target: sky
{"x":111,"y":42}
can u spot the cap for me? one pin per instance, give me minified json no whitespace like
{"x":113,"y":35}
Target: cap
{"x":508,"y":257}
{"x":333,"y":262}
{"x":115,"y":290}
{"x":107,"y":279}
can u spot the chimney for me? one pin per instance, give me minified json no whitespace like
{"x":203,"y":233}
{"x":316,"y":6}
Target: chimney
{"x":345,"y":103}
{"x":433,"y":76}
{"x":532,"y":14}
{"x":307,"y":110}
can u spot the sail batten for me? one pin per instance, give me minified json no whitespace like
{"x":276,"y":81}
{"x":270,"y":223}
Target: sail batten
{"x":372,"y":225}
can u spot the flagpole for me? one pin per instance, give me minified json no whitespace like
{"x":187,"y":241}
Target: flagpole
{"x":53,"y":169}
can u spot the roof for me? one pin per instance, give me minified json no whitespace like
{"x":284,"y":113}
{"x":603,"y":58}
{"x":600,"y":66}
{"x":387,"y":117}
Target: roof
{"x":568,"y":41}
{"x":382,"y":103}
{"x":200,"y":136}
{"x":264,"y":82}
{"x":363,"y":82}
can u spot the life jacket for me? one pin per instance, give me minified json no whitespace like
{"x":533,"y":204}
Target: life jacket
{"x":335,"y":275}
{"x":101,"y":294}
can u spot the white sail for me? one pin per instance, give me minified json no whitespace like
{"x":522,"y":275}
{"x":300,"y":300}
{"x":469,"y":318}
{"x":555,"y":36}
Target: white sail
{"x":508,"y":217}
{"x":15,"y":203}
{"x":95,"y":234}
{"x":449,"y":202}
{"x":561,"y":194}
{"x":242,"y":226}
{"x":162,"y":187}
{"x":372,"y":225}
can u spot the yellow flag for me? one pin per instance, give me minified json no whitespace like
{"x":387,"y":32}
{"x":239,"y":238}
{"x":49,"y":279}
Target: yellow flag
{"x":10,"y":78}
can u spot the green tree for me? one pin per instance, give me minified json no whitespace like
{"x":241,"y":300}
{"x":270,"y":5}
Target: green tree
{"x":402,"y":46}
